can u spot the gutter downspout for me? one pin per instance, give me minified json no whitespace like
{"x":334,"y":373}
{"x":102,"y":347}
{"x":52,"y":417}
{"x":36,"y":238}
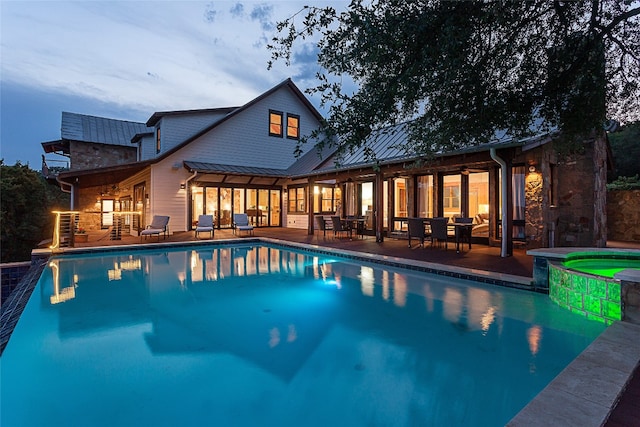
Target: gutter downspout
{"x":503,"y":192}
{"x":186,"y":182}
{"x":70,"y":191}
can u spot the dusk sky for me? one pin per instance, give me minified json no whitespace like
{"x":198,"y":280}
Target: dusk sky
{"x":129,"y":59}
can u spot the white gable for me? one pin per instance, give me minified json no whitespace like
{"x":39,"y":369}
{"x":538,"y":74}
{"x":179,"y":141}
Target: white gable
{"x":244,"y":138}
{"x":175,"y":129}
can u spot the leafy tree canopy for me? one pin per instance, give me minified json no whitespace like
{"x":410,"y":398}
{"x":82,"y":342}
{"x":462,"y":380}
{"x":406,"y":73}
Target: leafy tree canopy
{"x":26,"y":201}
{"x":459,"y":72}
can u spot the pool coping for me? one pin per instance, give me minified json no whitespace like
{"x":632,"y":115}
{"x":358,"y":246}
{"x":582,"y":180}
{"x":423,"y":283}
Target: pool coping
{"x":588,"y":389}
{"x":584,"y":393}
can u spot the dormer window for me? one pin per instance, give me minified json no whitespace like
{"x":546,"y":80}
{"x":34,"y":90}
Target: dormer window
{"x":293,"y":126}
{"x":275,"y":123}
{"x":158,"y":146}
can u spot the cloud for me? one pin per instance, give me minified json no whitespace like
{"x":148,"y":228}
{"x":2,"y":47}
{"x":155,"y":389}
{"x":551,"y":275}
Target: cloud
{"x":237,"y":10}
{"x":152,"y":55}
{"x":210,"y":13}
{"x":262,"y":14}
{"x":128,"y":59}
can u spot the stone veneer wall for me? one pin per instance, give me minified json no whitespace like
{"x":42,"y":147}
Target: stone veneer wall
{"x":623,"y":215}
{"x":88,"y":156}
{"x":594,"y":297}
{"x":581,"y":198}
{"x":534,"y":215}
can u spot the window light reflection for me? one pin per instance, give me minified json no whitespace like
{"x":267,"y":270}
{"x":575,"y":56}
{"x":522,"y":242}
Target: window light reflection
{"x":292,"y":335}
{"x":366,"y":281}
{"x":399,"y":289}
{"x":487,"y":319}
{"x":385,"y":285}
{"x":65,"y":294}
{"x":534,"y":336}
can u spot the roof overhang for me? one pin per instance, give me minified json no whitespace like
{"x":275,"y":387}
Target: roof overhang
{"x":399,"y":164}
{"x":60,"y":146}
{"x":101,"y":176}
{"x":235,"y":174}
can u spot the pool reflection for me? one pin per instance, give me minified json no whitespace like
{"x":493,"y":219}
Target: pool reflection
{"x":197,"y":301}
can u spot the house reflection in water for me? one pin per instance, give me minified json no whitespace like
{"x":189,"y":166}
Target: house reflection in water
{"x":269,"y":306}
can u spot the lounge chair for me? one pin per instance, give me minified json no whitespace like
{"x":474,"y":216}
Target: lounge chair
{"x":417,"y":230}
{"x":205,"y":225}
{"x":159,"y":225}
{"x":241,"y":223}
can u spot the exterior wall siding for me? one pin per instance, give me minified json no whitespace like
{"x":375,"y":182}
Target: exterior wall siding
{"x":297,"y":221}
{"x":147,"y":147}
{"x":165,"y":195}
{"x":244,"y":140}
{"x":176,"y":129}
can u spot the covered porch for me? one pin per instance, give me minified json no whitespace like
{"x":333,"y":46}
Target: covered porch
{"x":480,"y":257}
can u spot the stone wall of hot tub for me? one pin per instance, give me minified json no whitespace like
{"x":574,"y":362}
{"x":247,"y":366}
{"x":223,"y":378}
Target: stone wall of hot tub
{"x":593,"y":296}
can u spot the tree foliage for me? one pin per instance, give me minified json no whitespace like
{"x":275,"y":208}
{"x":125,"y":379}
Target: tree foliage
{"x":625,"y":147}
{"x":459,"y":72}
{"x":26,"y":202}
{"x":625,"y":183}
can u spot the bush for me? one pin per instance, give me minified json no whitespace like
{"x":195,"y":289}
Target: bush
{"x":27,"y":200}
{"x":625,"y":183}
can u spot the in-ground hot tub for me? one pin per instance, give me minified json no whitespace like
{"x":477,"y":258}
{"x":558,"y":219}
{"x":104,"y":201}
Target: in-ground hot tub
{"x":602,"y":284}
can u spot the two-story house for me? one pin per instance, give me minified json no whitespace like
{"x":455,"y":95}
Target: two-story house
{"x":243,"y":159}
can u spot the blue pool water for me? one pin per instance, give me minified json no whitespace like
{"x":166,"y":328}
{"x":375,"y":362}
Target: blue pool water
{"x":269,"y":336}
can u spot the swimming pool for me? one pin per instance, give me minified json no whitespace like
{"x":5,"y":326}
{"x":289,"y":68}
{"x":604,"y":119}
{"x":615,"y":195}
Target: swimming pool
{"x":267,"y":335}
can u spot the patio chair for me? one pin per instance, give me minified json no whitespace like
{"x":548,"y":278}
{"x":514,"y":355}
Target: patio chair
{"x":241,"y":223}
{"x":205,"y":225}
{"x":463,"y":234}
{"x":159,"y":225}
{"x":417,"y":230}
{"x":340,"y":226}
{"x":321,"y":224}
{"x":439,"y":231}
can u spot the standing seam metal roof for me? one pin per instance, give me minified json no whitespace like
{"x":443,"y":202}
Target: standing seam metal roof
{"x":100,"y":130}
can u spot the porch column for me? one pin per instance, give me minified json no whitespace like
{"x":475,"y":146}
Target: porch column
{"x":379,"y":209}
{"x":310,"y":198}
{"x":411,"y":195}
{"x":508,"y":233}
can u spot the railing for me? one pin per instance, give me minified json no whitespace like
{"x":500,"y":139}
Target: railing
{"x":64,"y":229}
{"x":71,"y":226}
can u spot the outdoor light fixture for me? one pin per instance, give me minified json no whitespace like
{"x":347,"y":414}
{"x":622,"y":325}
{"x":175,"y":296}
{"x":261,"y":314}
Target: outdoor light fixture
{"x":183,"y":185}
{"x":532,"y":168}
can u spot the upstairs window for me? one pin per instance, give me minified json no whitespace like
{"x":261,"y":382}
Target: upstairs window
{"x":158,"y":140}
{"x":275,"y":123}
{"x":293,"y":126}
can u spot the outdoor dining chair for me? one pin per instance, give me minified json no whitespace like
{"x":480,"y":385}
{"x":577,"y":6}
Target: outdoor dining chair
{"x":321,"y":224}
{"x":417,"y":230}
{"x":439,"y":231}
{"x":340,"y":226}
{"x":463,"y":231}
